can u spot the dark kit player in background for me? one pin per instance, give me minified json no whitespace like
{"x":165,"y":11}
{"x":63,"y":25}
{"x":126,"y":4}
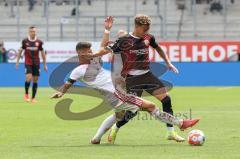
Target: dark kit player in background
{"x":31,"y":47}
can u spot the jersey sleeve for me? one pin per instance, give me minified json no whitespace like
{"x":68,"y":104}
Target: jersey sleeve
{"x":114,"y":47}
{"x":41,"y":46}
{"x":153,"y":42}
{"x":77,"y":73}
{"x":23,"y":45}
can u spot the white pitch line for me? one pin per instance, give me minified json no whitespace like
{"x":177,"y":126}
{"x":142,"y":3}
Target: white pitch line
{"x":224,"y":88}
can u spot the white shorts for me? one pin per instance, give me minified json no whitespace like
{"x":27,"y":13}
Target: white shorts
{"x":103,"y":83}
{"x":129,"y":98}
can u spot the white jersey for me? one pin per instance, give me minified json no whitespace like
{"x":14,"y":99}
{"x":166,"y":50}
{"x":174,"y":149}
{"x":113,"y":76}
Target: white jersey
{"x":95,"y":76}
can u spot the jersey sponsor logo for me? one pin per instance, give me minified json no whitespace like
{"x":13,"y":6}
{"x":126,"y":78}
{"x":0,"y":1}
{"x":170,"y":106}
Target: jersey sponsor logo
{"x":139,"y":51}
{"x":37,"y":44}
{"x":32,"y":48}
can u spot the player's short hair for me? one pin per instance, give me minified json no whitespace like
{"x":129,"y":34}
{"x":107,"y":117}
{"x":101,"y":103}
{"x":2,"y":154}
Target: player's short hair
{"x":142,"y":19}
{"x":32,"y":27}
{"x":83,"y":45}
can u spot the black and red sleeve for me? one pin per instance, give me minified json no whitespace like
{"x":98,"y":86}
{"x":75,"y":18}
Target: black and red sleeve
{"x":115,"y":47}
{"x":23,"y":44}
{"x":41,"y":46}
{"x":153,"y":42}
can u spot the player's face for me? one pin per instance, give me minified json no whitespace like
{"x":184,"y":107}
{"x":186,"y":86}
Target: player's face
{"x":32,"y":33}
{"x":83,"y":52}
{"x":141,"y":30}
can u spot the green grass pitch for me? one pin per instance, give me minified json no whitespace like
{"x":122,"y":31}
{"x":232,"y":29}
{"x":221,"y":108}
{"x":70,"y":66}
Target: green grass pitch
{"x":33,"y":131}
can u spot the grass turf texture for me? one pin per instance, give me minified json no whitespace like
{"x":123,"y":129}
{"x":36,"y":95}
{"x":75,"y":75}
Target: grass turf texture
{"x":33,"y":131}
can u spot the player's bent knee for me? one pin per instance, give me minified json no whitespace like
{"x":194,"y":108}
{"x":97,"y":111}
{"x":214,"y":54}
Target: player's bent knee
{"x":151,"y":107}
{"x":35,"y":79}
{"x":28,"y":78}
{"x":148,"y":106}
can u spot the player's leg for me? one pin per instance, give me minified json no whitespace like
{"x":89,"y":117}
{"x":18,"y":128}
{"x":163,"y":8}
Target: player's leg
{"x":125,"y":119}
{"x":104,"y":127}
{"x":160,"y":92}
{"x":155,"y":112}
{"x":129,"y":114}
{"x":36,"y":73}
{"x":34,"y":88}
{"x":133,"y":109}
{"x":162,"y":95}
{"x":28,"y":74}
{"x":165,"y":117}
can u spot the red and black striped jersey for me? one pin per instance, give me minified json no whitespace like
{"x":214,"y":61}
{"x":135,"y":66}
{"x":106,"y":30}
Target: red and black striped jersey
{"x":134,"y":52}
{"x":31,"y":51}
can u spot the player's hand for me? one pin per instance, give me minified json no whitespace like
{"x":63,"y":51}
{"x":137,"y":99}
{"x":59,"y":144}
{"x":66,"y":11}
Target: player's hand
{"x":57,"y":95}
{"x":173,"y":68}
{"x":45,"y":68}
{"x":16,"y":66}
{"x":108,"y":23}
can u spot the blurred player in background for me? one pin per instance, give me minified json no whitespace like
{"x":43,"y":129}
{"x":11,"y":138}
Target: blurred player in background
{"x":31,"y":47}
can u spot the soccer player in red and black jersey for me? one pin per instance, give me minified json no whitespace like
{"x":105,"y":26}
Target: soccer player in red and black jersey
{"x":134,"y":51}
{"x":31,"y":47}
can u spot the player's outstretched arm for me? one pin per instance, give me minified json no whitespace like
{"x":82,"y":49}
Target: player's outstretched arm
{"x":108,"y":23}
{"x":18,"y":57}
{"x":166,"y":59}
{"x":62,"y":90}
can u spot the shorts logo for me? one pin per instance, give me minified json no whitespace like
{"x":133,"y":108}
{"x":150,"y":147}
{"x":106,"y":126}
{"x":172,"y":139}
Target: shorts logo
{"x":133,"y":93}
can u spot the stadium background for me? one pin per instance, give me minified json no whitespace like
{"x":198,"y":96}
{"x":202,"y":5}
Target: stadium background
{"x":203,"y":45}
{"x":195,"y":38}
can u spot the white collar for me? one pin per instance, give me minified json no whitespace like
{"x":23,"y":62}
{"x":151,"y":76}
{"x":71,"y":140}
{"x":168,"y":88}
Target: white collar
{"x":32,"y":40}
{"x":131,"y":34}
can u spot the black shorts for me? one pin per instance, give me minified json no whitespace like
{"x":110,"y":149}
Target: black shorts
{"x":32,"y":69}
{"x":136,"y":84}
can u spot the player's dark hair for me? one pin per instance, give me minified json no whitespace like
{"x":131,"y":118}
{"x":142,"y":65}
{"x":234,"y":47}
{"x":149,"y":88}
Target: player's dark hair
{"x":32,"y":27}
{"x":83,"y":45}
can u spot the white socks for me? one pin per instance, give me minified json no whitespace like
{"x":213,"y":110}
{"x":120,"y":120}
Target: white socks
{"x":170,"y":129}
{"x":106,"y":124}
{"x":165,"y":117}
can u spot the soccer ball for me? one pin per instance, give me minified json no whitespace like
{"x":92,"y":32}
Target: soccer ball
{"x":196,"y":138}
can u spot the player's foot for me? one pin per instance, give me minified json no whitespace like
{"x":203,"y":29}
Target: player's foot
{"x":188,"y":123}
{"x":172,"y":135}
{"x":113,"y":134}
{"x":33,"y":100}
{"x":95,"y":141}
{"x":26,"y":98}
